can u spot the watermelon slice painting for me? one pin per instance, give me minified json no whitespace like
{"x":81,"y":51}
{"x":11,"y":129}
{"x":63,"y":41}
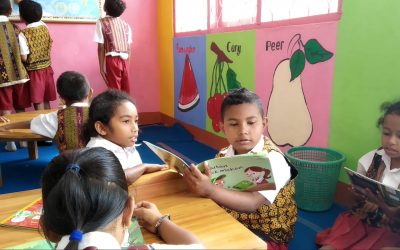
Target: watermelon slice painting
{"x":189,"y":94}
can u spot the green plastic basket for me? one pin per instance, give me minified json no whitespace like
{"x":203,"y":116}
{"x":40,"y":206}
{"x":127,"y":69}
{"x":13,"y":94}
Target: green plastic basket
{"x":318,"y":174}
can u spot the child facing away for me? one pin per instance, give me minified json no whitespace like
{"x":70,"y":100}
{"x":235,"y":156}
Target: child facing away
{"x":113,"y":124}
{"x":65,"y":126}
{"x":271,"y":214}
{"x":36,"y":45}
{"x":86,"y":205}
{"x":14,"y":92}
{"x":371,"y":223}
{"x":114,"y":37}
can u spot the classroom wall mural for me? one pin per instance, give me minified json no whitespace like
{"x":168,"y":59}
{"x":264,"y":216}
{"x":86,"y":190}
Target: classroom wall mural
{"x":294,"y":74}
{"x":190,"y":80}
{"x":230,"y":64}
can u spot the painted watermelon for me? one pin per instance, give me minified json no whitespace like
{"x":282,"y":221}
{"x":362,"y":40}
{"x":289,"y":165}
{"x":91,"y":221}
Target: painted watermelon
{"x":189,"y":94}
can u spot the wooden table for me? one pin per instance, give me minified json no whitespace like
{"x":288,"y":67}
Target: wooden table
{"x":24,"y":134}
{"x":215,"y":228}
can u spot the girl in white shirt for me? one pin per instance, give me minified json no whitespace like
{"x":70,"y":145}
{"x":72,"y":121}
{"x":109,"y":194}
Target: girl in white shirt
{"x":86,"y":204}
{"x":113,"y":124}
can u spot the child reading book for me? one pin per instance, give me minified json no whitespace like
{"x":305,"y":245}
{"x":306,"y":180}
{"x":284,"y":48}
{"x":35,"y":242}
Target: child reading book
{"x":86,"y":204}
{"x":371,"y":223}
{"x":271,"y":214}
{"x":113,"y":124}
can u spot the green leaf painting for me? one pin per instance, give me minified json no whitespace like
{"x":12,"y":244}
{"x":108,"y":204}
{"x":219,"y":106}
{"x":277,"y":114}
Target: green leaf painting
{"x":297,"y":63}
{"x":231,"y":80}
{"x":243,"y":185}
{"x":315,"y":53}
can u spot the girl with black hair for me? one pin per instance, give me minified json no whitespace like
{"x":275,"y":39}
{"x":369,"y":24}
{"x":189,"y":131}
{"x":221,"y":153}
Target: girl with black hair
{"x":86,"y":204}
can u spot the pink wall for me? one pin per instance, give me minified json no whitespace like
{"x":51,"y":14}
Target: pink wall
{"x":73,"y":49}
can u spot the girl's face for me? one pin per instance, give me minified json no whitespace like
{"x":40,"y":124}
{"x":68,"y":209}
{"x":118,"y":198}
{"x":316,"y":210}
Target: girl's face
{"x":253,"y":175}
{"x":243,"y":126}
{"x":123,"y":127}
{"x":391,"y":135}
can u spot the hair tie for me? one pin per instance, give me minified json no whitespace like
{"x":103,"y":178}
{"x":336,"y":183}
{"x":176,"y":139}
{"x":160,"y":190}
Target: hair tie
{"x":76,"y":235}
{"x":74,"y":167}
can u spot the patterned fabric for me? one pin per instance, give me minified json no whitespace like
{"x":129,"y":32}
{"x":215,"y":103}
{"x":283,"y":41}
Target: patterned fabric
{"x":369,"y":212}
{"x":39,"y":42}
{"x":115,"y":32}
{"x":12,"y":71}
{"x":276,"y":221}
{"x":71,"y":121}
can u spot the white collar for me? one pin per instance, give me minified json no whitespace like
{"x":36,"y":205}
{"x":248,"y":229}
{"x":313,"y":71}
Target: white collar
{"x":112,"y":146}
{"x":4,"y":18}
{"x":387,"y":160}
{"x":35,"y":24}
{"x":98,"y":239}
{"x":258,"y":148}
{"x":80,"y":104}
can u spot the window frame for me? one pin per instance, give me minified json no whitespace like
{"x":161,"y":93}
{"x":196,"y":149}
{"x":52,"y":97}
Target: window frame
{"x":220,"y":28}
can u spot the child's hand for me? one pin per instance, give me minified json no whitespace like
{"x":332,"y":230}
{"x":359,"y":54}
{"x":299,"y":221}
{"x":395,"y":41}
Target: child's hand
{"x":197,"y":182}
{"x":150,"y":168}
{"x":147,"y":215}
{"x":4,"y":119}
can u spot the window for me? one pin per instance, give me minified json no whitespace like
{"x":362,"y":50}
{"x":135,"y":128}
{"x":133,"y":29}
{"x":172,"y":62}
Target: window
{"x":216,"y":15}
{"x":190,"y":15}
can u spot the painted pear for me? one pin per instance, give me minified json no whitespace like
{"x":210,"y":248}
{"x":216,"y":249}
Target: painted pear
{"x":289,"y":121}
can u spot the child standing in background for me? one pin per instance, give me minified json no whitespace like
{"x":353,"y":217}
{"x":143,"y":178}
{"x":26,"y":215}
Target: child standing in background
{"x":372,"y":224}
{"x":114,"y":37}
{"x":113,"y":124}
{"x":14,"y":93}
{"x":271,"y":214}
{"x":86,"y":205}
{"x":36,"y":55}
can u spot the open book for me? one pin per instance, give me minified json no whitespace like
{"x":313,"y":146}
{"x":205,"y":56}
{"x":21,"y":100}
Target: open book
{"x":361,"y":182}
{"x":248,"y":172}
{"x":28,"y":217}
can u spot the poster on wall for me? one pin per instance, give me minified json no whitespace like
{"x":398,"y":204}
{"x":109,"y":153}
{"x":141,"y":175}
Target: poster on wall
{"x":190,"y":80}
{"x":230,"y":65}
{"x":81,"y":11}
{"x":294,"y":76}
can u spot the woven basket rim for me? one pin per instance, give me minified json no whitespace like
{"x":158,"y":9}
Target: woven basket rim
{"x":341,"y":156}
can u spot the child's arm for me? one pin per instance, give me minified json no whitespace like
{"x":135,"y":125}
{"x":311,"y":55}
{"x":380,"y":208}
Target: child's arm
{"x":132,"y":174}
{"x":101,"y":55}
{"x":148,"y":216}
{"x":201,"y":185}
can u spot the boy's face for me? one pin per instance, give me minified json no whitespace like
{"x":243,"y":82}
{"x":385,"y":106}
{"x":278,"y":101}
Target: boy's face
{"x":243,"y":126}
{"x":391,"y":135}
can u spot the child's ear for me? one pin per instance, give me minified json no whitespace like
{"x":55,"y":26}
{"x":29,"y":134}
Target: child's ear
{"x":100,"y":128}
{"x":128,"y":212}
{"x":265,"y":122}
{"x":90,"y":94}
{"x":221,"y":126}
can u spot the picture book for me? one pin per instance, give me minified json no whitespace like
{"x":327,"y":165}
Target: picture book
{"x":247,"y":172}
{"x":361,"y":182}
{"x":28,"y":217}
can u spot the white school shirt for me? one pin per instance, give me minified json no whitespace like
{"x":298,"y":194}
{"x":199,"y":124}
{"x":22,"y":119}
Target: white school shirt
{"x":23,"y":43}
{"x":103,"y":240}
{"x":279,"y":166}
{"x":47,"y":124}
{"x":99,"y":38}
{"x":128,"y":157}
{"x":391,"y":177}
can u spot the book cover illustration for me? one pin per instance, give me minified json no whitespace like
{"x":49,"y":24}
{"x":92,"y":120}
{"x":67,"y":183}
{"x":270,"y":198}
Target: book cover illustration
{"x":28,"y":217}
{"x":248,"y":172}
{"x":391,"y":195}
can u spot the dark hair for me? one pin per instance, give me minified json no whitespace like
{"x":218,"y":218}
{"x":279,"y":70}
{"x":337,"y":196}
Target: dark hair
{"x":388,"y":109}
{"x":114,"y":8}
{"x":30,"y":11}
{"x":241,"y":96}
{"x":102,"y":108}
{"x":86,"y":199}
{"x":72,"y":86}
{"x":5,"y":7}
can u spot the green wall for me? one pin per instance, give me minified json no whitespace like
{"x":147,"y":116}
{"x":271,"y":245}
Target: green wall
{"x":366,"y":74}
